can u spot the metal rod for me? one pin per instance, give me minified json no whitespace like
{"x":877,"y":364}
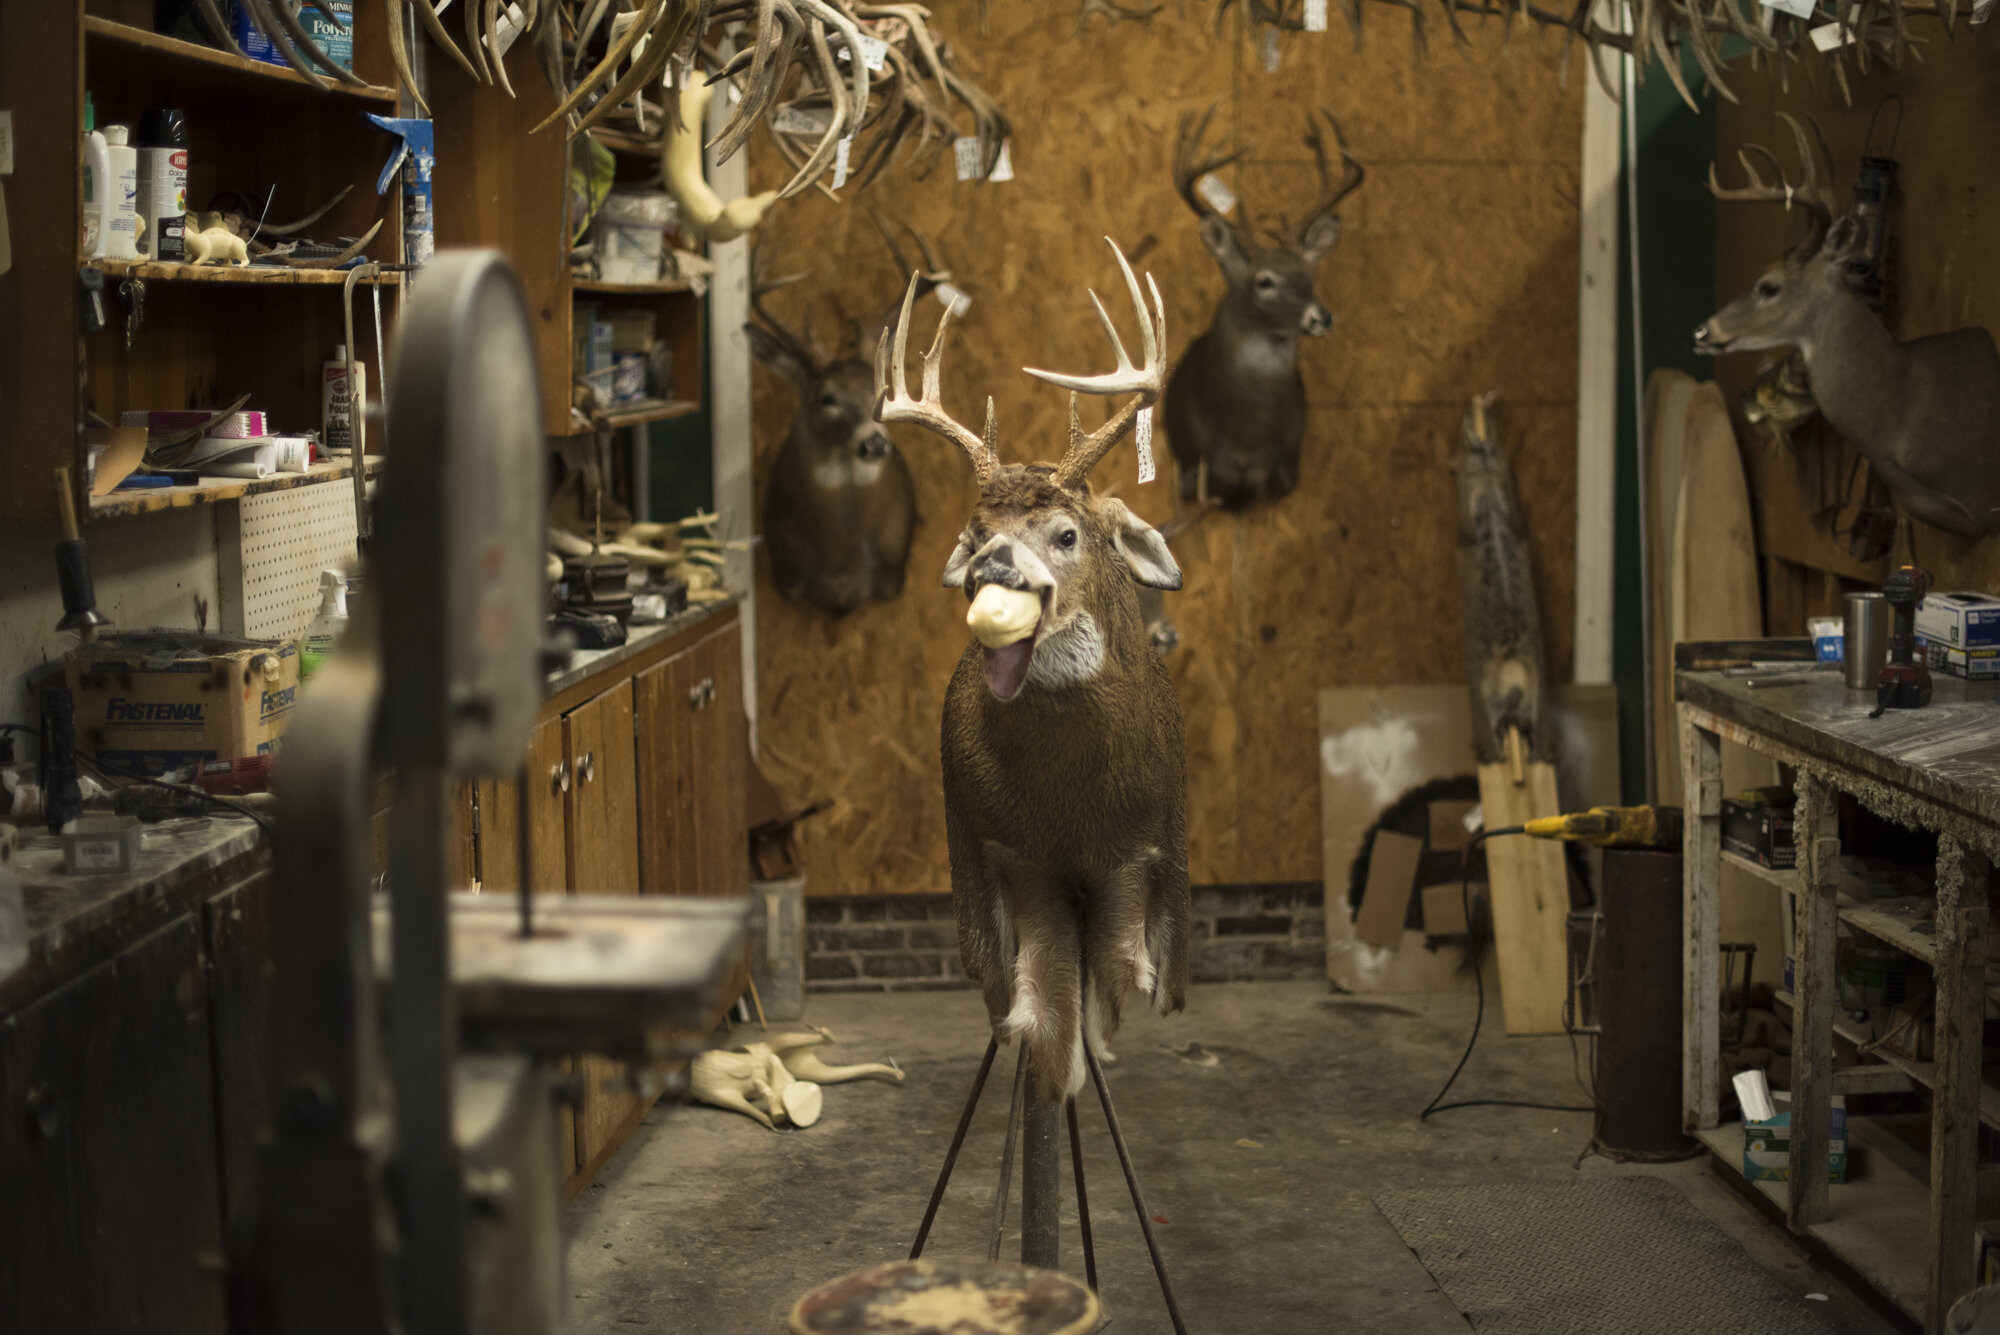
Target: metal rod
{"x":1007,"y":1155}
{"x":1082,"y":1197}
{"x":957,"y":1140}
{"x":1041,"y":1184}
{"x":1132,"y":1181}
{"x":524,"y":840}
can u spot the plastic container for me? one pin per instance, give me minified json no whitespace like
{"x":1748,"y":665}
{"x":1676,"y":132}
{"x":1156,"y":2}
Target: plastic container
{"x":121,"y":199}
{"x":96,"y":181}
{"x":325,"y":628}
{"x":163,"y":173}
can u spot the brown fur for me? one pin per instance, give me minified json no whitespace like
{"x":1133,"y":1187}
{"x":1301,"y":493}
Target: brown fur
{"x":1065,"y":807}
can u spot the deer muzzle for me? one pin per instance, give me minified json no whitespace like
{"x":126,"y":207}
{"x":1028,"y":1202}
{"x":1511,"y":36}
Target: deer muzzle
{"x":1317,"y":321}
{"x":874,"y":445}
{"x":1710,"y":340}
{"x":1008,"y":584}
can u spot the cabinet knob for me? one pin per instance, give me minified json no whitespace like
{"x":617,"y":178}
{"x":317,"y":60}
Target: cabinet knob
{"x":42,"y":1110}
{"x":559,"y":777}
{"x":586,"y":767}
{"x":702,"y":693}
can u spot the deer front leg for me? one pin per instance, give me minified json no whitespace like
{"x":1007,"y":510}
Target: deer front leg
{"x":1043,"y":990}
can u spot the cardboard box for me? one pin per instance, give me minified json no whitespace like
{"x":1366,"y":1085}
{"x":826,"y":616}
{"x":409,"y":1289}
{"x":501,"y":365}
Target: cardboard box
{"x":1972,"y":664}
{"x":1960,"y":620}
{"x":1392,"y":879}
{"x":1762,"y":834}
{"x":1444,"y":908}
{"x":1767,"y":1145}
{"x":161,"y":700}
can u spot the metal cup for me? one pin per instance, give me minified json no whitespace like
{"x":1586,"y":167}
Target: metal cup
{"x":1865,"y":640}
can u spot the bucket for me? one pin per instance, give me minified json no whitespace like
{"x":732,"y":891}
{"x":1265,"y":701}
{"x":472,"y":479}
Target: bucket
{"x":777,"y":946}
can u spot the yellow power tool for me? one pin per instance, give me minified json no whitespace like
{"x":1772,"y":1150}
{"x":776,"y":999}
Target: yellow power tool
{"x":1612,"y":827}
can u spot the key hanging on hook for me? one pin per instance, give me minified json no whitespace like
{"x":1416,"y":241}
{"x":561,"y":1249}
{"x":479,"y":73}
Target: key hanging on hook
{"x":133,"y":290}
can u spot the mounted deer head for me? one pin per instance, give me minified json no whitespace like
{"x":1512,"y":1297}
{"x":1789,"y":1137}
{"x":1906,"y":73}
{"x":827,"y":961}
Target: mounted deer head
{"x":1925,"y":413}
{"x":1235,"y":408}
{"x":840,"y":505}
{"x":1065,"y":795}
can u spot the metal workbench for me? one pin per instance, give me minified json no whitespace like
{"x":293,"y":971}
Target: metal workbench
{"x":1936,"y":768}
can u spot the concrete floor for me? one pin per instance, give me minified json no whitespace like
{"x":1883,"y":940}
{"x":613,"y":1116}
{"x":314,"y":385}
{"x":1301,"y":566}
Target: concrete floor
{"x":705,"y":1223}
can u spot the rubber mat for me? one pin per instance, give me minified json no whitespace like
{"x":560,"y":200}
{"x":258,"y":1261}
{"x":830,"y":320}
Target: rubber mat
{"x":1613,"y":1256}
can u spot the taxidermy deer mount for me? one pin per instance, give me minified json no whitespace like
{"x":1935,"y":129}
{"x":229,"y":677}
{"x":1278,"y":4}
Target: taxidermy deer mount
{"x":1236,"y":406}
{"x":1063,"y":749}
{"x":1925,"y":413}
{"x":840,"y":506}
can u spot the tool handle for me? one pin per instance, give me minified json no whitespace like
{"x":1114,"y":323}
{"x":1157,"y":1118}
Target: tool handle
{"x":66,"y":505}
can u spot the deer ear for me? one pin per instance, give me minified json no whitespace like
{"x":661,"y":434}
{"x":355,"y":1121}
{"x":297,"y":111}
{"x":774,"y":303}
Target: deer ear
{"x":1846,"y":239}
{"x":1220,"y":239}
{"x":1319,"y":239}
{"x":960,"y":562}
{"x":773,"y":352}
{"x":1144,"y":551}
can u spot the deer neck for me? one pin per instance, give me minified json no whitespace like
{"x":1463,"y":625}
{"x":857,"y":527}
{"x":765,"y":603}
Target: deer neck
{"x":1855,"y":364}
{"x":1253,"y":344}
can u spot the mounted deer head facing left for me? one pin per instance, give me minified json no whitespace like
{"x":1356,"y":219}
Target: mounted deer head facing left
{"x":1236,"y":405}
{"x":1925,"y":413}
{"x":1063,"y":750}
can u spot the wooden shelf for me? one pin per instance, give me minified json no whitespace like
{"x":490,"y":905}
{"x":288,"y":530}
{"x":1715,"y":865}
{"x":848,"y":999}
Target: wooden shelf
{"x":1924,"y":1073}
{"x":270,"y":275}
{"x":1880,"y":1216}
{"x":213,"y":491}
{"x":654,"y":410}
{"x":210,"y":57}
{"x":664,"y":287}
{"x":1786,"y":878}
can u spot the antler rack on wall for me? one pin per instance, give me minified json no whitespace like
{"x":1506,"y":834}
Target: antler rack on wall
{"x":1870,"y":32}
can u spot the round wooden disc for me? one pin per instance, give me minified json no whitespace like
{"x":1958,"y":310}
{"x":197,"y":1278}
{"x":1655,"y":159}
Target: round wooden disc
{"x":948,"y":1297}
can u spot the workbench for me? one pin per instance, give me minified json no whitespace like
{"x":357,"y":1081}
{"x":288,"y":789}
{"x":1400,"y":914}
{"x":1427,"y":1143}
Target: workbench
{"x":1905,"y":1225}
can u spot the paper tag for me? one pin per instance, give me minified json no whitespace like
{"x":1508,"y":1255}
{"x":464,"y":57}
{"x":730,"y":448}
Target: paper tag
{"x":840,"y":151}
{"x":1003,"y":168}
{"x":1219,"y":196}
{"x":874,"y":52}
{"x":6,"y":143}
{"x":952,"y":298}
{"x":1270,"y":50}
{"x":97,"y":855}
{"x":792,"y":120}
{"x":1315,"y":15}
{"x":1797,"y":8}
{"x":1827,"y":36}
{"x":507,"y":25}
{"x":1142,"y":435}
{"x":1474,"y":820}
{"x":966,"y":152}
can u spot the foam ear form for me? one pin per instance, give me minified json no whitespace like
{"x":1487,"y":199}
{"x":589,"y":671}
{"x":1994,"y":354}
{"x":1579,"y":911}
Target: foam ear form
{"x":1001,"y":616}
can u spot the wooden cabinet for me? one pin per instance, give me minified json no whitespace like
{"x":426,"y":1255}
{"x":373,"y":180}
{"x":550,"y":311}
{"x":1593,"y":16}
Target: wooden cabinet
{"x":236,"y":932}
{"x":692,"y":758}
{"x":112,"y":1220}
{"x":602,"y":814}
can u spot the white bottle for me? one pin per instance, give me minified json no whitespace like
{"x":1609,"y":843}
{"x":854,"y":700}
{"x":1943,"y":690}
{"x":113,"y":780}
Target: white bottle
{"x":339,"y":403}
{"x":96,"y":182}
{"x":121,"y":199}
{"x":326,"y":625}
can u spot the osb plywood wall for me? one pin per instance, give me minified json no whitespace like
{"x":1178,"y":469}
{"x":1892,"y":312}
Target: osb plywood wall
{"x":1945,"y":220}
{"x":1456,"y":274}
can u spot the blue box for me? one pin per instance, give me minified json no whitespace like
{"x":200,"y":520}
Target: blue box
{"x":337,"y":44}
{"x":1767,"y":1146}
{"x":1829,"y":637}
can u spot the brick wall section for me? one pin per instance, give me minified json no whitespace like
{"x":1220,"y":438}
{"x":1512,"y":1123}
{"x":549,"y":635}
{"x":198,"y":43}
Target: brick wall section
{"x":908,"y":943}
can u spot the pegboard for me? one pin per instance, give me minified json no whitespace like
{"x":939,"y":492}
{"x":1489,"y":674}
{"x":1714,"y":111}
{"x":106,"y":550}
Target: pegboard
{"x":272,"y":553}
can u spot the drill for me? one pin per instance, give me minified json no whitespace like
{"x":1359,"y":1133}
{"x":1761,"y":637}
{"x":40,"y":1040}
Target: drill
{"x":1612,"y":827}
{"x":1904,"y":683}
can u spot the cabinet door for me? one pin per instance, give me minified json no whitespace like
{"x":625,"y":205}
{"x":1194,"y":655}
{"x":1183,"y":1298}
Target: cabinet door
{"x":721,"y":754}
{"x":112,"y":1218}
{"x":237,"y":926}
{"x":604,"y":860}
{"x":667,"y":702}
{"x":499,"y":818}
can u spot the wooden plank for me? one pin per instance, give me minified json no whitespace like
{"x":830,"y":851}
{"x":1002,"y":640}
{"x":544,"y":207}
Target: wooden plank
{"x":1964,"y":878}
{"x":214,"y":491}
{"x":1528,"y":881}
{"x":1701,"y":923}
{"x":209,"y":62}
{"x":1817,"y":835}
{"x":266,"y":275}
{"x":720,"y":760}
{"x":1392,"y":879}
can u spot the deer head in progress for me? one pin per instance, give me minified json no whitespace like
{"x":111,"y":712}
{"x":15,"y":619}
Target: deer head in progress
{"x":1925,"y":413}
{"x":1236,"y":406}
{"x":839,"y":505}
{"x":1063,"y":749}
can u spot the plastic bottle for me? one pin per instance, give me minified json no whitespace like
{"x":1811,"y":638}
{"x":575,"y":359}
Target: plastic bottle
{"x":326,"y":625}
{"x":96,"y":181}
{"x":338,"y":402}
{"x":163,"y":173}
{"x":121,"y":199}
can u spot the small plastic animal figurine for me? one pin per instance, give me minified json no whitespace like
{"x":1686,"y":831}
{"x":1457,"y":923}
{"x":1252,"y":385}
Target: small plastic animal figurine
{"x":215,"y":245}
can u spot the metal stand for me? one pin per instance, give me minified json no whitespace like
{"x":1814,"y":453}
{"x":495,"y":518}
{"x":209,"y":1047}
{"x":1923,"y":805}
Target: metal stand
{"x":1041,"y":1185}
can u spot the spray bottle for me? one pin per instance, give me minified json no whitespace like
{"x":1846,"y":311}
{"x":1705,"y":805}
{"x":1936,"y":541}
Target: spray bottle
{"x":326,"y":625}
{"x":163,"y":174}
{"x":96,"y":182}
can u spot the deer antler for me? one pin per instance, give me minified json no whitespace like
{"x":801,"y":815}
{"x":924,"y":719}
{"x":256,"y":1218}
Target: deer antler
{"x":1352,"y":172}
{"x":1809,"y":194}
{"x":1145,"y":382}
{"x":1190,"y":167}
{"x":928,"y":411}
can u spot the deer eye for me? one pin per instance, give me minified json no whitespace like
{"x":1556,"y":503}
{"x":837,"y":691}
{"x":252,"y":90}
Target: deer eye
{"x":1770,"y":287}
{"x":1066,"y":538}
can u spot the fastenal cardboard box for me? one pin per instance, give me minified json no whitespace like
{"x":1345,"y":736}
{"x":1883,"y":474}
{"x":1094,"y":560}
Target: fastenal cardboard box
{"x":160,"y":700}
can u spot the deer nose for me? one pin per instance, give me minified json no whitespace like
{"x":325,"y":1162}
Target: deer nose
{"x":875,"y":445}
{"x":1705,"y":339}
{"x":1316,"y":320}
{"x":997,"y":566}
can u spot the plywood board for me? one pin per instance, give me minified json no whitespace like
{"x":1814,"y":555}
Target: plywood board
{"x":1445,"y":905}
{"x":1335,"y":584}
{"x":1392,"y":878}
{"x":1529,"y":886}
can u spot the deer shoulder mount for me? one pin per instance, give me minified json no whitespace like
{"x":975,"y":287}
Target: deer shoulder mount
{"x":1063,"y":747}
{"x":1236,"y":405}
{"x":1925,"y":414}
